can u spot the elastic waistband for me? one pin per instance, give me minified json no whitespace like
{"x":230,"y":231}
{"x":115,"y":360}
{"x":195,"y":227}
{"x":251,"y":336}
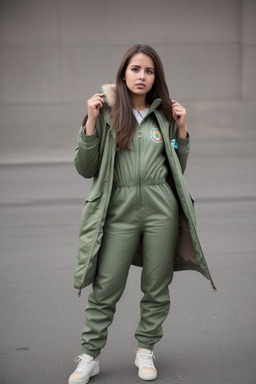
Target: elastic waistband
{"x":119,"y":184}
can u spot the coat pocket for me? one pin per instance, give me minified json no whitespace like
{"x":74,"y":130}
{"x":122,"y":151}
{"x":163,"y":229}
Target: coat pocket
{"x":93,"y":195}
{"x":91,"y":210}
{"x":92,"y":205}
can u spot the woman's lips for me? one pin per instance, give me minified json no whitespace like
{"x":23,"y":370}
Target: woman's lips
{"x":140,"y":85}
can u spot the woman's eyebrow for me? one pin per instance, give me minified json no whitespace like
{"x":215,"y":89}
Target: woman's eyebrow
{"x":138,"y":66}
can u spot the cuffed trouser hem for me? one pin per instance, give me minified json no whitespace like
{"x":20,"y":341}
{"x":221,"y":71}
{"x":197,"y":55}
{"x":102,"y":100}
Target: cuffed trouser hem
{"x":91,"y":353}
{"x":146,"y":346}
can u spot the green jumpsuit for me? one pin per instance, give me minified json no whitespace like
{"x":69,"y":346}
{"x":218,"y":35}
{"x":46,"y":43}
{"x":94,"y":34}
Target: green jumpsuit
{"x":142,"y":207}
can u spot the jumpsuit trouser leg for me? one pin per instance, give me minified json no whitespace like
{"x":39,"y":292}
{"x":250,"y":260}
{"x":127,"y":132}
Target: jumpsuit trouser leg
{"x":113,"y":266}
{"x":158,"y":224}
{"x":159,"y":245}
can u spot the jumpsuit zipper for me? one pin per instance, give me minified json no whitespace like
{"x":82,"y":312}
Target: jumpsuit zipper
{"x":139,"y":199}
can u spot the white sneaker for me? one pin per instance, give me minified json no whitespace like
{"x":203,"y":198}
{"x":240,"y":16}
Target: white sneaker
{"x":144,"y":361}
{"x":86,"y":368}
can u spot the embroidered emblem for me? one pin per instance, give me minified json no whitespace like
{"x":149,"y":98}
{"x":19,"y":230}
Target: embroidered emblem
{"x":156,"y":135}
{"x":174,"y":143}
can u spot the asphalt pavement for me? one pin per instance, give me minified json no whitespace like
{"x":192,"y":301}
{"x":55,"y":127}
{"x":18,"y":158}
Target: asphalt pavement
{"x":209,"y":337}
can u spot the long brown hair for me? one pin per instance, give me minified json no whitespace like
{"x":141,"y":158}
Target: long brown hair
{"x":122,"y":114}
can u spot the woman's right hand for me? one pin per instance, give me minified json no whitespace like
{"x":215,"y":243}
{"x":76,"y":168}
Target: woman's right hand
{"x":94,"y":105}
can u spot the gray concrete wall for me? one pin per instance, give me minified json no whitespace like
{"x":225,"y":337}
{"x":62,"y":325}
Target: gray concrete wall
{"x":56,"y":53}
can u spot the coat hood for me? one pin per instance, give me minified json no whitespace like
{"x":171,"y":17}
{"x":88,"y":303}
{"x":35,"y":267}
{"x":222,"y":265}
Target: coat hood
{"x":109,"y":91}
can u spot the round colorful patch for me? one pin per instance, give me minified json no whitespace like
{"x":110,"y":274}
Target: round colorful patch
{"x":156,"y":135}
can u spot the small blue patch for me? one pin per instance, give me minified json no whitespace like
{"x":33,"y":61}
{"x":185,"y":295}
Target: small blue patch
{"x":174,"y":143}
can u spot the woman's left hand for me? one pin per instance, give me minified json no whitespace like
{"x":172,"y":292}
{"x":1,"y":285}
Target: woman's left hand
{"x":179,"y":115}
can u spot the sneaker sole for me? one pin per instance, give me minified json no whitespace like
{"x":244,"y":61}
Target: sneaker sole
{"x":86,"y":379}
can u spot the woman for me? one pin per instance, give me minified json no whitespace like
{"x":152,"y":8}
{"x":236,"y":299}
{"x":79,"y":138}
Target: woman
{"x":135,"y":145}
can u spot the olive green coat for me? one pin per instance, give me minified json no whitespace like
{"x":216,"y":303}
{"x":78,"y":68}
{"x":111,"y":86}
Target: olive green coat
{"x":95,"y":157}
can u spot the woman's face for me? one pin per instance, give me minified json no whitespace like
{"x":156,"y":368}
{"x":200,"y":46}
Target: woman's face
{"x":140,"y":74}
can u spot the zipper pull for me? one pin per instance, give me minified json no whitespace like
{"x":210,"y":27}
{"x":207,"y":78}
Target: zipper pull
{"x":79,"y":292}
{"x":213,"y":286}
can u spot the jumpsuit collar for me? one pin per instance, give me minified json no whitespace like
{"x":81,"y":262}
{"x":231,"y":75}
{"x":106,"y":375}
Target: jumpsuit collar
{"x":154,"y":106}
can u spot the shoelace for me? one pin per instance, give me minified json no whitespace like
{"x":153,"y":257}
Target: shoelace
{"x":82,"y":363}
{"x":147,"y":359}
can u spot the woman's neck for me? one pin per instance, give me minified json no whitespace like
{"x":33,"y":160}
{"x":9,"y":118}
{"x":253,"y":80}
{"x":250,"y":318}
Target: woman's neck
{"x":139,"y":102}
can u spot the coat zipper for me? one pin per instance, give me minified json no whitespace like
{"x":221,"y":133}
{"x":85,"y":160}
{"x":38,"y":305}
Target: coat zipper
{"x":139,"y":200}
{"x":170,"y":148}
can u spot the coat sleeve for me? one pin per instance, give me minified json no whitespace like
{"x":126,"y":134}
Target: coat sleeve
{"x":182,"y":149}
{"x":87,"y":152}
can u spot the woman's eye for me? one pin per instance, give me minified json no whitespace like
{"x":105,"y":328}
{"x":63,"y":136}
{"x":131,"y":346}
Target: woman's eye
{"x":148,"y":71}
